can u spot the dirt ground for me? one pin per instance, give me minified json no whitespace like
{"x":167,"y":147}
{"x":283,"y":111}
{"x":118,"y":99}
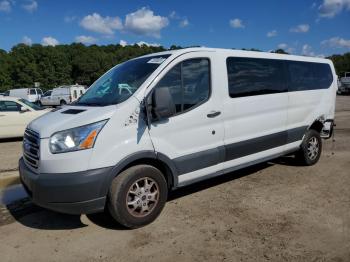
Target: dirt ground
{"x":275,"y":211}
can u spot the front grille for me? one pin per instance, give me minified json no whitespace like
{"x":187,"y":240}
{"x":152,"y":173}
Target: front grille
{"x":31,"y":148}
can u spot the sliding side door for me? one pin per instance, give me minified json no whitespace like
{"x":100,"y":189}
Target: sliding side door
{"x":255,"y":110}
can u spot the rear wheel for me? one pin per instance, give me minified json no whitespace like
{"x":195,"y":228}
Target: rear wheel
{"x":62,"y":103}
{"x":310,"y":149}
{"x":137,"y":196}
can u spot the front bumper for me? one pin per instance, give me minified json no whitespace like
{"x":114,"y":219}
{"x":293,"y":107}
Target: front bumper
{"x":71,"y":193}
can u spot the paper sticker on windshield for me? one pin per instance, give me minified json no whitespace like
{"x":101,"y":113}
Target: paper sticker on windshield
{"x":157,"y":60}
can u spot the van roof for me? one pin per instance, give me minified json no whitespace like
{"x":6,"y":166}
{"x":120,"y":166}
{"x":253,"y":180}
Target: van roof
{"x":243,"y":53}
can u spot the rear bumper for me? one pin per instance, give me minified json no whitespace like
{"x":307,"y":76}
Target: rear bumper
{"x":328,"y":129}
{"x":71,"y":193}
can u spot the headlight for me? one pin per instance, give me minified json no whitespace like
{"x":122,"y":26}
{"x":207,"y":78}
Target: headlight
{"x":74,"y":139}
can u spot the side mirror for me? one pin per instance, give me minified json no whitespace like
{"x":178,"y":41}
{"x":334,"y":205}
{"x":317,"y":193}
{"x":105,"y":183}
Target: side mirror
{"x":162,"y":103}
{"x":23,"y":109}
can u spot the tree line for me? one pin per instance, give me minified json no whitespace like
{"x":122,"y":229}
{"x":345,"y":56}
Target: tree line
{"x":53,"y":66}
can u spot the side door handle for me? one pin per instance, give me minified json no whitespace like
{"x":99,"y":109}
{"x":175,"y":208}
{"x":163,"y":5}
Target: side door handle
{"x":213,"y":114}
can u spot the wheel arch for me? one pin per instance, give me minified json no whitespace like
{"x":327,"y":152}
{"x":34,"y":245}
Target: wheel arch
{"x":157,"y":160}
{"x":316,"y":125}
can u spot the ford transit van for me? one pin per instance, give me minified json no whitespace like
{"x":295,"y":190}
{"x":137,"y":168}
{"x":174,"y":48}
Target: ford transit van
{"x":166,"y":120}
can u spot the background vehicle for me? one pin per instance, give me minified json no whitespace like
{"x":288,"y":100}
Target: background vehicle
{"x":344,"y":86}
{"x":45,"y":97}
{"x":47,"y":93}
{"x":15,"y":115}
{"x":167,"y":120}
{"x":30,"y":94}
{"x":63,"y":95}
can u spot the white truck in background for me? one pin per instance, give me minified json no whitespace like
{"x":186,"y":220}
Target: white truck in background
{"x":344,"y":86}
{"x":63,"y":95}
{"x":32,"y":95}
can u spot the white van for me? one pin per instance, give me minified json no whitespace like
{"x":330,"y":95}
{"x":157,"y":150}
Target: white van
{"x":166,"y":120}
{"x":32,"y":95}
{"x":63,"y":95}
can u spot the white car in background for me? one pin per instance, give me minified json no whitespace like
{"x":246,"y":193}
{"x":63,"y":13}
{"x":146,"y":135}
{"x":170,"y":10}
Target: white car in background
{"x":30,"y":94}
{"x":16,"y":114}
{"x":63,"y":95}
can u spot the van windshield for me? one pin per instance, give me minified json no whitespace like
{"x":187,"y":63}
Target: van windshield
{"x":121,"y":82}
{"x":31,"y":105}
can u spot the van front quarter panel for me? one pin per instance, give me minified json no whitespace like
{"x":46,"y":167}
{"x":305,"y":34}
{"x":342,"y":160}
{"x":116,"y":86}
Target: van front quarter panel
{"x":127,"y":134}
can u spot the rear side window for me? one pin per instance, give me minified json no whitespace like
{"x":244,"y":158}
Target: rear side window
{"x":189,"y":83}
{"x":32,"y":92}
{"x":323,"y":75}
{"x":308,"y":76}
{"x":254,"y":76}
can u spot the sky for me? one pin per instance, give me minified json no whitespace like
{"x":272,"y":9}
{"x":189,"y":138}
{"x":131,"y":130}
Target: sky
{"x":302,"y":27}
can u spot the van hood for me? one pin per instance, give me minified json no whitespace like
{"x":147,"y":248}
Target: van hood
{"x":70,"y":117}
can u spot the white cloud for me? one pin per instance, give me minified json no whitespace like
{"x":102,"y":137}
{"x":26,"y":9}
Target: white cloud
{"x":173,"y":15}
{"x":103,"y":25}
{"x":5,"y":6}
{"x":27,"y":40}
{"x":30,"y":6}
{"x":271,"y":33}
{"x":49,"y":41}
{"x":183,"y":20}
{"x":307,"y":50}
{"x":69,"y":19}
{"x":184,"y":23}
{"x":123,"y":43}
{"x":337,"y":42}
{"x":303,"y":28}
{"x":286,"y":48}
{"x":144,"y":22}
{"x":236,"y":23}
{"x":141,"y":43}
{"x":330,"y":8}
{"x":282,"y":46}
{"x":88,"y":40}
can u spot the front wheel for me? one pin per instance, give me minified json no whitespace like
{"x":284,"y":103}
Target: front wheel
{"x":137,"y":196}
{"x":310,"y":149}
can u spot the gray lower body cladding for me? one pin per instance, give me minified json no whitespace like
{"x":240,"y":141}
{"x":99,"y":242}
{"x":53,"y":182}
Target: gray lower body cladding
{"x":86,"y":191}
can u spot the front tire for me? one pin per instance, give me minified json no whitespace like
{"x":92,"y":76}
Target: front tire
{"x":137,"y":196}
{"x":310,"y":149}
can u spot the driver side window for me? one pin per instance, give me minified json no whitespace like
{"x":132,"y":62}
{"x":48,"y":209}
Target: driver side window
{"x":188,"y":82}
